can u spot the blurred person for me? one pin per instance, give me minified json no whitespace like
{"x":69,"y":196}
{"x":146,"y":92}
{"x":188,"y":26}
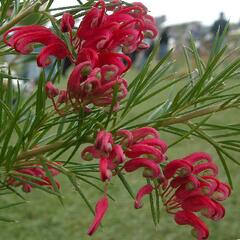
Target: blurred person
{"x":219,"y":25}
{"x":164,"y":42}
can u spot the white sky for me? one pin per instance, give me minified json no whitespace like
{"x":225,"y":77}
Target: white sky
{"x":178,"y":11}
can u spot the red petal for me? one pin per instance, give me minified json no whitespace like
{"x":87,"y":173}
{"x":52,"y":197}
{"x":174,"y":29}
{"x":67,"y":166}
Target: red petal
{"x":198,"y":156}
{"x":209,"y":166}
{"x":189,"y":218}
{"x":51,"y":90}
{"x":156,"y":143}
{"x":141,"y":133}
{"x":146,"y":189}
{"x":58,"y":50}
{"x":136,"y":163}
{"x":177,"y":165}
{"x":100,"y":210}
{"x":67,"y":22}
{"x":222,"y":192}
{"x":89,"y":153}
{"x":105,"y":173}
{"x":137,"y":150}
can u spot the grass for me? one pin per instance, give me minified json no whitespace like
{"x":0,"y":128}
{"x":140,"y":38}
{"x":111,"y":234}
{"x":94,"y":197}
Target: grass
{"x":45,"y":218}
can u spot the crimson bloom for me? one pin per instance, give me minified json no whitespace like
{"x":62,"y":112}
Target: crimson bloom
{"x":153,"y":170}
{"x":22,"y":38}
{"x":67,"y":22}
{"x":200,"y":229}
{"x":102,"y":40}
{"x":51,"y":90}
{"x":100,"y":210}
{"x":145,"y":190}
{"x":193,"y":187}
{"x":33,"y":170}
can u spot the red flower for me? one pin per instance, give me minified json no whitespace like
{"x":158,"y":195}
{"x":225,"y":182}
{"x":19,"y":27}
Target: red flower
{"x":35,"y":170}
{"x":89,"y":153}
{"x":143,"y":142}
{"x":104,"y":37}
{"x":182,"y":166}
{"x":110,"y":155}
{"x":67,"y":22}
{"x":51,"y":90}
{"x":198,"y":157}
{"x":151,"y":166}
{"x":104,"y":141}
{"x":146,"y":189}
{"x":139,"y":149}
{"x":193,"y":187}
{"x":23,"y":37}
{"x":105,"y":173}
{"x":222,"y":192}
{"x":208,"y":207}
{"x":100,"y":210}
{"x":200,"y":229}
{"x":62,"y":97}
{"x":116,"y":156}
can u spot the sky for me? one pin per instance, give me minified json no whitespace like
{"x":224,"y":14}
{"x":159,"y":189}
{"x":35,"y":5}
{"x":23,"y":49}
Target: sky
{"x":179,"y":11}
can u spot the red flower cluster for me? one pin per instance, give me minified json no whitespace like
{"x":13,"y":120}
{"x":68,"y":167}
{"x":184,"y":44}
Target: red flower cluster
{"x":191,"y":186}
{"x":33,"y":170}
{"x":186,"y":185}
{"x":139,"y":148}
{"x":104,"y":37}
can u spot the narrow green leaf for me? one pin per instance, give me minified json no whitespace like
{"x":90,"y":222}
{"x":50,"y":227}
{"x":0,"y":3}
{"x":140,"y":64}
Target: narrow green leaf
{"x":73,"y":181}
{"x":153,"y":211}
{"x":126,"y":185}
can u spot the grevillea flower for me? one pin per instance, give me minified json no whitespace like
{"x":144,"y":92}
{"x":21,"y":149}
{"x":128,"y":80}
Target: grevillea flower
{"x":208,"y":207}
{"x":105,"y":35}
{"x":193,"y":187}
{"x":143,"y":141}
{"x":145,"y":190}
{"x":67,"y":22}
{"x":200,"y":229}
{"x":51,"y":90}
{"x":33,"y":170}
{"x":105,"y":173}
{"x":100,"y":210}
{"x":104,"y":141}
{"x":183,"y":167}
{"x":62,"y":97}
{"x":141,"y":151}
{"x":153,"y":169}
{"x":22,"y":38}
{"x":110,"y":155}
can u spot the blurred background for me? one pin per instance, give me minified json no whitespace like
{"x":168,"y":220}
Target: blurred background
{"x":45,"y":219}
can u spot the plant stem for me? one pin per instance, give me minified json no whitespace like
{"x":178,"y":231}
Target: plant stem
{"x":194,"y":114}
{"x":41,"y":150}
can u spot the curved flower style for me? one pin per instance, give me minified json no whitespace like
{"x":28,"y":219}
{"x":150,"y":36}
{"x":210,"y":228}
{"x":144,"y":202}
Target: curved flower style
{"x":151,"y":166}
{"x":33,"y":170}
{"x":145,"y":190}
{"x":22,"y":38}
{"x":200,"y":229}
